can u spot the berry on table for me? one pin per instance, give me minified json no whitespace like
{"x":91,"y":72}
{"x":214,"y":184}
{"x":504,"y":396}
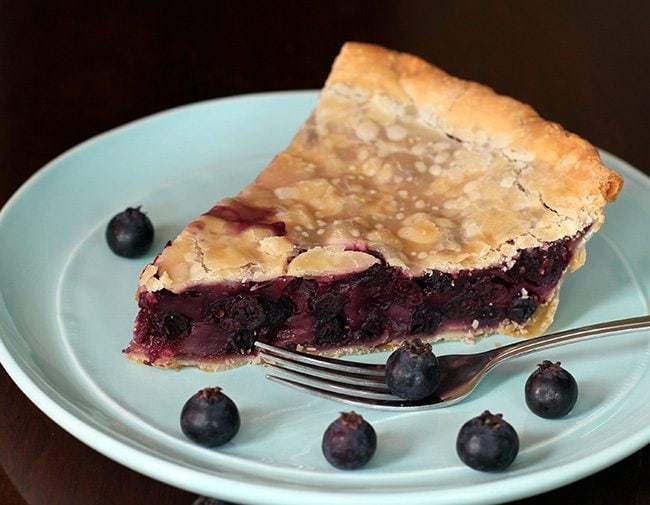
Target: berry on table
{"x":349,"y":442}
{"x":412,"y":371}
{"x":130,"y":233}
{"x":551,"y":392}
{"x":487,"y":443}
{"x":210,"y":418}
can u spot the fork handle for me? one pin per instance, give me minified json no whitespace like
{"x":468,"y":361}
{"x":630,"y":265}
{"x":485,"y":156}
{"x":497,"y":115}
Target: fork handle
{"x":570,"y":336}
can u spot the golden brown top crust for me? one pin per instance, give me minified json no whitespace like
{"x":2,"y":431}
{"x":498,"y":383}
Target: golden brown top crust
{"x":400,"y":158}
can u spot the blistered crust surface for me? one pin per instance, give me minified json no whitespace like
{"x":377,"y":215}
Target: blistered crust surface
{"x":400,"y":158}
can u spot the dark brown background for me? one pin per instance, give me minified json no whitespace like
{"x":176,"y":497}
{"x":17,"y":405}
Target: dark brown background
{"x":69,"y":71}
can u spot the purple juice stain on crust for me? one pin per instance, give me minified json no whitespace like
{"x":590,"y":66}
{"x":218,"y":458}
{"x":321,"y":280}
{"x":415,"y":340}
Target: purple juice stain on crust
{"x":245,"y":216}
{"x":372,"y":307}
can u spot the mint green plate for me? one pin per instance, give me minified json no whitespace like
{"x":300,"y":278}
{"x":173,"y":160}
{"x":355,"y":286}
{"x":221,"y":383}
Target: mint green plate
{"x":67,"y":309}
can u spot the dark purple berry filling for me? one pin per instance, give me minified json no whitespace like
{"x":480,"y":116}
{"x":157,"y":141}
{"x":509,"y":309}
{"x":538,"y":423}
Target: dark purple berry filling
{"x":380,"y":304}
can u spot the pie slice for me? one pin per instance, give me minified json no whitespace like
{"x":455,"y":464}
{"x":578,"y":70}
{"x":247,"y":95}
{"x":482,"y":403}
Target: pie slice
{"x":409,"y":203}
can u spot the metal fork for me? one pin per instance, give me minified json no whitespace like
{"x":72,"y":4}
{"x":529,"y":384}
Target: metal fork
{"x":364,"y":384}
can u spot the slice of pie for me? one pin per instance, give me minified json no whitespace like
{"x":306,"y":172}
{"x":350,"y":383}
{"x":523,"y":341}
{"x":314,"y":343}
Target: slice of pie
{"x":409,"y":203}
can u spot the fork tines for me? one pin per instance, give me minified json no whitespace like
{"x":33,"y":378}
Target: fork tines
{"x":355,"y":383}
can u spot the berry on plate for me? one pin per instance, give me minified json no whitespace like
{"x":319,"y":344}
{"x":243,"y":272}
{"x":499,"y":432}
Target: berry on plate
{"x":210,"y":418}
{"x":130,"y":233}
{"x":551,"y":392}
{"x":412,"y":371}
{"x":487,"y":443}
{"x":349,"y":442}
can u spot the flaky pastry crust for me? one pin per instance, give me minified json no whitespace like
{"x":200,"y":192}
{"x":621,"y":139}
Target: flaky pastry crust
{"x":401,"y":159}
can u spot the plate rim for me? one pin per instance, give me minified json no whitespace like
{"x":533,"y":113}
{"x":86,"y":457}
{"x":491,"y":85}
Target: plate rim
{"x":280,"y":492}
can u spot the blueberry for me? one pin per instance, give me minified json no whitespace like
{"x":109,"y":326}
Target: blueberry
{"x":217,"y":310}
{"x":470,"y":301}
{"x":425,"y":319}
{"x":487,"y":443}
{"x":412,"y":371}
{"x":349,"y":442}
{"x":247,"y":311}
{"x":521,"y":309}
{"x":129,"y":233}
{"x":544,"y":267}
{"x":488,"y":314}
{"x":174,"y":324}
{"x":329,"y":331}
{"x":210,"y":418}
{"x":373,"y":325}
{"x":278,"y":311}
{"x":328,"y":305}
{"x":436,"y":282}
{"x":241,"y":341}
{"x":551,"y":392}
{"x":405,"y":291}
{"x":374,"y":280}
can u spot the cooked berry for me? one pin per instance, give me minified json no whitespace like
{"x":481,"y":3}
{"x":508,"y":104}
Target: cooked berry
{"x":328,"y":305}
{"x":278,"y":311}
{"x":466,"y":304}
{"x":329,"y":331}
{"x":375,"y":279}
{"x":544,"y":266}
{"x":218,"y":309}
{"x":229,"y":327}
{"x":129,"y":233}
{"x":174,"y":324}
{"x":210,"y":418}
{"x":405,"y":291}
{"x":521,"y":309}
{"x":488,"y":314}
{"x":551,"y":391}
{"x":436,"y":282}
{"x":487,"y":443}
{"x":247,"y":311}
{"x":497,"y":288}
{"x":373,"y":325}
{"x":412,"y":371}
{"x":349,"y":442}
{"x":425,"y":319}
{"x":241,"y":341}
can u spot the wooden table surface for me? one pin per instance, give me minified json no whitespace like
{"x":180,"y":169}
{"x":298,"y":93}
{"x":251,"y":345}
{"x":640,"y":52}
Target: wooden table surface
{"x":71,"y":70}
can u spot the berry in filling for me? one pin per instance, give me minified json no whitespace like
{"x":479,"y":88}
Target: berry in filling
{"x":368,"y":308}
